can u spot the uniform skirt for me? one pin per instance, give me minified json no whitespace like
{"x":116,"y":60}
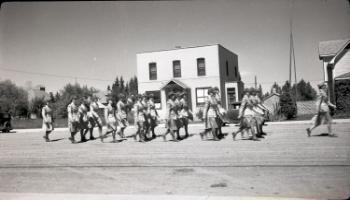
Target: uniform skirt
{"x":47,"y":124}
{"x":111,"y":123}
{"x":321,"y":118}
{"x":212,"y":123}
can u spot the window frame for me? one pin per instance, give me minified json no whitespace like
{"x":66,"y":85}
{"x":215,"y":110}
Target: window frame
{"x":205,"y":95}
{"x":152,"y":74}
{"x":178,"y":70}
{"x":201,"y":69}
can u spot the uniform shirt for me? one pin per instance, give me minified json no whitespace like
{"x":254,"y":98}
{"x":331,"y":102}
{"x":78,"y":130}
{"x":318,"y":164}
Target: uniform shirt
{"x":172,"y":109}
{"x":46,"y":113}
{"x":73,"y":112}
{"x":94,"y":107}
{"x":211,"y":107}
{"x":323,"y":100}
{"x":121,"y":109}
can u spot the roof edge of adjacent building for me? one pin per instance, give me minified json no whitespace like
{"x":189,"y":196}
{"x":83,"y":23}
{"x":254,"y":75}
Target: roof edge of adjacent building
{"x":180,"y":48}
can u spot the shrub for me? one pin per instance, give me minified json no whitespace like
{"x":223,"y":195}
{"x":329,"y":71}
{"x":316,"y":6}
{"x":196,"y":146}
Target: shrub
{"x":288,"y":105}
{"x":200,"y":114}
{"x":232,"y":115}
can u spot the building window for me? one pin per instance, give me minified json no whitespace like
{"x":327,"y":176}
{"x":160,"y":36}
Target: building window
{"x":236,"y":71}
{"x":231,"y":97}
{"x":201,"y":67}
{"x":156,"y":98}
{"x":227,"y":72}
{"x":153,"y":71}
{"x":176,"y":68}
{"x":201,"y":95}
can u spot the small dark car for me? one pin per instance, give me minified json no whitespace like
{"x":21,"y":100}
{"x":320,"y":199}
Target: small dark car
{"x":5,"y":122}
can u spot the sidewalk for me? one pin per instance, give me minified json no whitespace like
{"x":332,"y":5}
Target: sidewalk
{"x":335,"y":121}
{"x":60,"y":196}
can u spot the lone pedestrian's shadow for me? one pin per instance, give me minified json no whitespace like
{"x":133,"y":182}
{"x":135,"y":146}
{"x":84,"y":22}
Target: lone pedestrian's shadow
{"x":55,"y":140}
{"x":321,"y":135}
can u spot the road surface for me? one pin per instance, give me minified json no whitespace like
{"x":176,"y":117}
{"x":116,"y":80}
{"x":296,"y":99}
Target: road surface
{"x":284,"y":164}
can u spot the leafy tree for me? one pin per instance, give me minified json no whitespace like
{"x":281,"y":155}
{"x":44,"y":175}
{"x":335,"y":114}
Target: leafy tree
{"x":287,"y":102}
{"x":66,"y":94}
{"x":35,"y":106}
{"x":13,"y":99}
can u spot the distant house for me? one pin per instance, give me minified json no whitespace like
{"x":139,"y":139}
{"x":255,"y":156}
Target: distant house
{"x":335,"y":55}
{"x":36,"y":92}
{"x":192,"y":70}
{"x":272,"y":103}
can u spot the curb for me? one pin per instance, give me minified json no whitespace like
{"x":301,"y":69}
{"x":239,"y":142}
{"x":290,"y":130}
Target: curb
{"x":59,"y":196}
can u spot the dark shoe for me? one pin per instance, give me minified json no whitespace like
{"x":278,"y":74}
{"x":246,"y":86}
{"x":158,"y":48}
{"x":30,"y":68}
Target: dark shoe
{"x":92,"y":138}
{"x":46,"y":138}
{"x":83,"y":140}
{"x":333,"y":135}
{"x":234,"y":136}
{"x":71,"y":139}
{"x":308,"y":131}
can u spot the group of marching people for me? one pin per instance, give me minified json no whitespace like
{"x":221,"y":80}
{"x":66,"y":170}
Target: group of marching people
{"x":83,"y":116}
{"x":252,"y":115}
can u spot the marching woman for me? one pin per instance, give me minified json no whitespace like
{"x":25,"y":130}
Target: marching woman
{"x":84,"y":121}
{"x":73,"y":118}
{"x":221,"y":111}
{"x":122,"y":114}
{"x":185,"y":114}
{"x":110,"y":120}
{"x":260,"y":113}
{"x":153,"y":116}
{"x":246,"y":114}
{"x":323,"y":115}
{"x":46,"y":113}
{"x":94,"y":107}
{"x":172,"y":118}
{"x":211,"y":116}
{"x":140,"y":119}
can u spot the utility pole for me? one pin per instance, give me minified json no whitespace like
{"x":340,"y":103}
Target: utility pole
{"x":255,"y":83}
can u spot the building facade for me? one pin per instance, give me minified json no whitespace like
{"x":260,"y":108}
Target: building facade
{"x":335,"y":55}
{"x":192,"y":70}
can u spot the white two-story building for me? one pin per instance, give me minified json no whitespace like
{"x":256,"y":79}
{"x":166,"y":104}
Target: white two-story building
{"x":193,"y":70}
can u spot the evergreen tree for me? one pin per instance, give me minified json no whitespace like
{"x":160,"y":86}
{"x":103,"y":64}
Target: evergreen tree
{"x":276,"y":87}
{"x":287,"y":102}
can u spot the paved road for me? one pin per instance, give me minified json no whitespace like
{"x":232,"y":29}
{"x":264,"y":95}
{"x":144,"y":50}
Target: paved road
{"x":284,"y":164}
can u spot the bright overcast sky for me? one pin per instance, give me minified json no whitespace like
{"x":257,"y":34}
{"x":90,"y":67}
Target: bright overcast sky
{"x":99,"y":40}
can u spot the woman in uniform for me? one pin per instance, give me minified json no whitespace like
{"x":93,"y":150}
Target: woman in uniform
{"x":122,"y":114}
{"x":94,"y":107}
{"x":111,"y":120}
{"x":323,"y":115}
{"x":172,"y":118}
{"x":73,"y":118}
{"x":153,"y":116}
{"x":211,"y":117}
{"x":46,"y":113}
{"x":84,"y":121}
{"x":246,"y":114}
{"x":140,"y":119}
{"x":185,"y":114}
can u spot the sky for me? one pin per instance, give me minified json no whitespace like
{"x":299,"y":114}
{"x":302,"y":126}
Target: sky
{"x":55,"y":43}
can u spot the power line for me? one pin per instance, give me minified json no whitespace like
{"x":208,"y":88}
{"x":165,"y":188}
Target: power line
{"x":54,"y":75}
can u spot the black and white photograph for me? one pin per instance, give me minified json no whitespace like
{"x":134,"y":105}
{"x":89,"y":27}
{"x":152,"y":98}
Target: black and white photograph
{"x":165,"y":100}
